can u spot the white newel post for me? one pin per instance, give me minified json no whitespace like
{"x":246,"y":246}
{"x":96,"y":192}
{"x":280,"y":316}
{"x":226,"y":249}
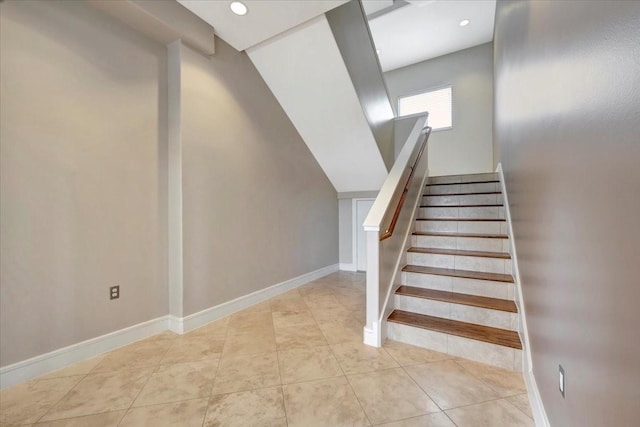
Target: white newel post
{"x":372,"y":335}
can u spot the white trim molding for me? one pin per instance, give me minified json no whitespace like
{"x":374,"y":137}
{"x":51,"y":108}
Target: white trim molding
{"x":537,"y":408}
{"x":373,"y":335}
{"x":45,"y":363}
{"x":348,"y":267}
{"x":219,"y":311}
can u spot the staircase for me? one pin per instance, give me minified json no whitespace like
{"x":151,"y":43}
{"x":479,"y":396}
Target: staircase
{"x":457,"y":292}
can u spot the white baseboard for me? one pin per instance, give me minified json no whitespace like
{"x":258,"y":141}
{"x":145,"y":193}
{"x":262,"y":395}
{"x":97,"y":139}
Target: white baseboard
{"x":40,"y":365}
{"x":203,"y":317}
{"x":372,"y":336}
{"x":175,"y":324}
{"x":347,"y":267}
{"x":535,"y":401}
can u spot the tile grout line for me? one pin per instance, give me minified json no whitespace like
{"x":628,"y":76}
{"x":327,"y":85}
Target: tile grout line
{"x":284,"y":404}
{"x":145,"y":383}
{"x":483,"y":381}
{"x":215,"y":375}
{"x":62,"y":398}
{"x":420,"y":387}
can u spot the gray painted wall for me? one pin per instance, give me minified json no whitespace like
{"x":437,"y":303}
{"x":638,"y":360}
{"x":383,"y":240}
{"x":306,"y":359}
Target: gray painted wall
{"x":257,"y":208}
{"x":567,"y":123}
{"x":468,"y":147}
{"x":83,"y":196}
{"x":351,"y":30}
{"x":82,"y":204}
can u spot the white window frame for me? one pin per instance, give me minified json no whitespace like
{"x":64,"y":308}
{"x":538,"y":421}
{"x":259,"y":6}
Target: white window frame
{"x":420,"y":92}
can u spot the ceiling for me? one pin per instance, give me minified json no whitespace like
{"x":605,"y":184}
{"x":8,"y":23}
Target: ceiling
{"x":264,"y":20}
{"x":405,"y":31}
{"x":411,"y":31}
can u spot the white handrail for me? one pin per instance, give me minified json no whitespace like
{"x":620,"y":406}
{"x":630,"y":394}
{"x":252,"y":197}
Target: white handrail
{"x":388,"y":227}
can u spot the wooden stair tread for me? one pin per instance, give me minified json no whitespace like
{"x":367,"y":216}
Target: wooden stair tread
{"x":456,"y":298}
{"x":464,"y":183}
{"x":479,"y":275}
{"x":463,"y":194}
{"x":461,"y":219}
{"x":442,"y":234}
{"x":492,"y":205}
{"x":481,"y":254}
{"x":472,"y":331}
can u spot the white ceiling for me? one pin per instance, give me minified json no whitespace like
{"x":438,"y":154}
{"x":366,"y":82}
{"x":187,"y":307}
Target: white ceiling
{"x":266,"y":18}
{"x":424,"y":29}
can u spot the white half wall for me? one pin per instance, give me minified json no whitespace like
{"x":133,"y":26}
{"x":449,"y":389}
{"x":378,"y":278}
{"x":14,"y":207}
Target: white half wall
{"x":305,"y":71}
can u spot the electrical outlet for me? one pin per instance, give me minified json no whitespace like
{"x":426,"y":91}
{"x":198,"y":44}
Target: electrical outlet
{"x":561,"y":379}
{"x":114,"y":292}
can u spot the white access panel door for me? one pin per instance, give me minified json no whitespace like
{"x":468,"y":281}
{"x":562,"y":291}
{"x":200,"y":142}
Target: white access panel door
{"x":362,"y":210}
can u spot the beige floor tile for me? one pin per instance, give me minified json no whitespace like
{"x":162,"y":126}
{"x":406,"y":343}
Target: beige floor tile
{"x":390,"y":395}
{"x":329,"y":402}
{"x":188,"y":348}
{"x":341,"y":331}
{"x":495,"y":413}
{"x":102,"y":392}
{"x":337,"y":313}
{"x":246,"y":372}
{"x":145,"y":353}
{"x":407,"y":355}
{"x":521,"y":402}
{"x":80,"y":368}
{"x":299,"y":336}
{"x":449,"y":385}
{"x":108,"y":419}
{"x":294,"y":304}
{"x":307,"y":364}
{"x":27,"y":402}
{"x":217,"y":327}
{"x":504,"y":382}
{"x":263,"y":306}
{"x":317,"y":302}
{"x":292,"y":318}
{"x":248,"y":341}
{"x":316,"y":288}
{"x":357,"y":358}
{"x":439,"y":419}
{"x":189,"y":413}
{"x":264,"y":407}
{"x":250,"y":321}
{"x":182,"y":381}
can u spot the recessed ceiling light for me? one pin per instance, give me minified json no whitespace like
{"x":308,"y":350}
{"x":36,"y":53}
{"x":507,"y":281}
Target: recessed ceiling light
{"x":238,"y":8}
{"x":464,"y":22}
{"x":378,"y":51}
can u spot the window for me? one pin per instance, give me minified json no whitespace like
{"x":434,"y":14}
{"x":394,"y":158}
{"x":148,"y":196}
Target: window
{"x":436,"y":102}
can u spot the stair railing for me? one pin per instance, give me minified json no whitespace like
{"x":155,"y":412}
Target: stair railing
{"x":388,"y":227}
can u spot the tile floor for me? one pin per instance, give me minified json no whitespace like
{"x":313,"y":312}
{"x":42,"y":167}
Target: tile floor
{"x":295,"y":360}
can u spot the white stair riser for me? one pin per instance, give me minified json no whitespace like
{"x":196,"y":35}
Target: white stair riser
{"x":491,"y":354}
{"x":462,"y":188}
{"x":473,"y":227}
{"x":485,"y":212}
{"x":475,"y":199}
{"x":461,"y":285}
{"x":461,"y":262}
{"x":460,"y":312}
{"x":462,"y":243}
{"x":492,"y":176}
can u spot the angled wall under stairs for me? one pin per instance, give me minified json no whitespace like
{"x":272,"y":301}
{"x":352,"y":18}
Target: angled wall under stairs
{"x":457,"y":289}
